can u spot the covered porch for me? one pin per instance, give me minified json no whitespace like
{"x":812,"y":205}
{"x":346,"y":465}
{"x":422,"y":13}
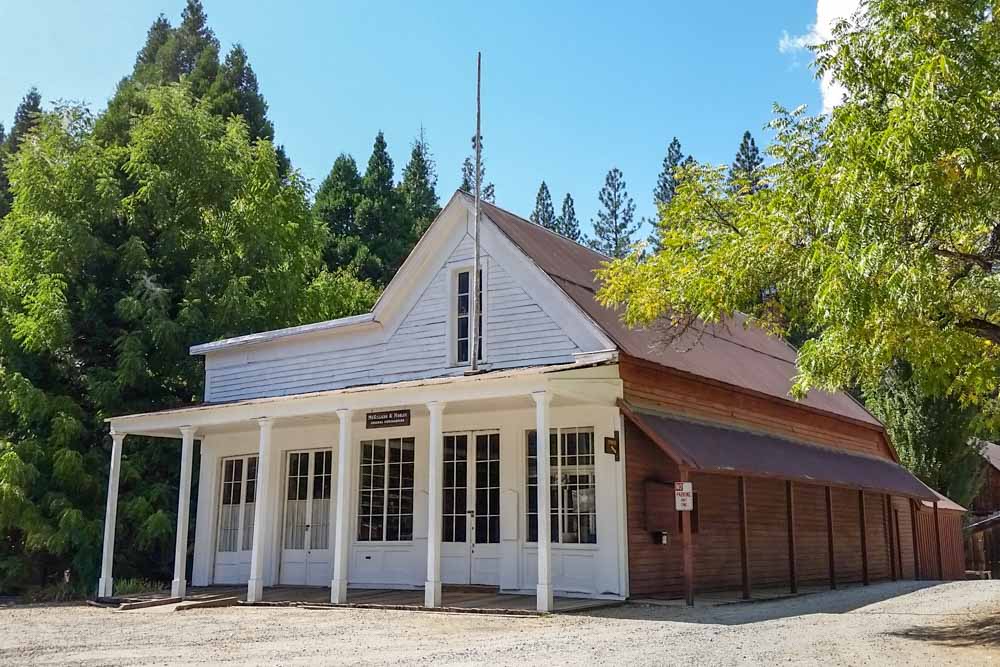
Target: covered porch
{"x":404,"y":487}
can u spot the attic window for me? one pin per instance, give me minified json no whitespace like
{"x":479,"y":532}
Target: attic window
{"x":462,"y":320}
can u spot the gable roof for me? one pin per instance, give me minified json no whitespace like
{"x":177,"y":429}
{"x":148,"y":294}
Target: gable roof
{"x":737,"y":354}
{"x":991,"y":452}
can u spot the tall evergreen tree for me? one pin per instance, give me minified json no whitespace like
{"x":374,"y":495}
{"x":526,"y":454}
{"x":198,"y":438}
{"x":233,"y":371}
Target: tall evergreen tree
{"x":382,"y":223}
{"x":544,"y":213}
{"x":487,"y":192}
{"x":335,"y":205}
{"x":419,"y":188}
{"x":614,"y":227}
{"x":567,"y":224}
{"x":156,"y":37}
{"x":666,"y":182}
{"x":746,"y":174}
{"x":26,"y":117}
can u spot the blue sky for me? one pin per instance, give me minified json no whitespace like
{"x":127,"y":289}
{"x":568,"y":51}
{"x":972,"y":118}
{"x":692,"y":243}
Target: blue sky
{"x":570,"y":89}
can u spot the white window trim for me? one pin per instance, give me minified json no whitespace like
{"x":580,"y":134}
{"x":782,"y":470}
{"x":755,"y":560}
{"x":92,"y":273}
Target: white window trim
{"x":580,"y":546}
{"x":385,"y":491}
{"x":452,"y":306}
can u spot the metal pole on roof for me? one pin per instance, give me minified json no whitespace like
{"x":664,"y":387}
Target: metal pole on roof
{"x":474,"y":286}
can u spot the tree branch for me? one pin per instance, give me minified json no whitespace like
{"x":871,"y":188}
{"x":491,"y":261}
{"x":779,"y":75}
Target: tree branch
{"x":969,"y":258}
{"x":983,"y":329}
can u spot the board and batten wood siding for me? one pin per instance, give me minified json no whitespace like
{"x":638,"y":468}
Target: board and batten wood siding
{"x":952,"y":545}
{"x":682,"y":394}
{"x":518,"y":332}
{"x":656,"y":570}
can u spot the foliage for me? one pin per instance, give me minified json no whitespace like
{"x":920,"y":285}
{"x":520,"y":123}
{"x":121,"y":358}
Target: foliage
{"x":932,"y":434}
{"x":418,"y":187}
{"x":115,"y":258}
{"x":878,"y":231}
{"x":137,"y":586}
{"x":566,"y":223}
{"x":468,"y":184}
{"x":25,"y":118}
{"x":60,"y":591}
{"x":544,"y":213}
{"x":613,"y":228}
{"x":666,"y":184}
{"x":746,"y":174}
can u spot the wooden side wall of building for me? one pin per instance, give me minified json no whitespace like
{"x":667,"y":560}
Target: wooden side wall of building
{"x":655,"y":569}
{"x":648,"y":384}
{"x":952,"y":545}
{"x":987,"y":501}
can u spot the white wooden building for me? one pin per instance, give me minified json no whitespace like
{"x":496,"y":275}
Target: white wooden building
{"x":360,"y":452}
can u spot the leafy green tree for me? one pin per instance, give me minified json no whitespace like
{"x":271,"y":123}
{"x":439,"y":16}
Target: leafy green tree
{"x":746,"y":174}
{"x":613,"y":228}
{"x":878,"y":232}
{"x":932,"y":434}
{"x":115,"y":259}
{"x":567,"y":224}
{"x":544,"y":213}
{"x":468,"y":184}
{"x":419,"y":188}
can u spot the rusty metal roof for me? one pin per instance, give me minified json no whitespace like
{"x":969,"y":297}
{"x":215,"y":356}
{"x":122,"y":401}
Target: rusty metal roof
{"x":735,"y":353}
{"x":715,"y":449}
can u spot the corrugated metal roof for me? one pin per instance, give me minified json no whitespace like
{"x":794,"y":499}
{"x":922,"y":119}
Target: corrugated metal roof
{"x":944,"y":503}
{"x":991,"y":452}
{"x":737,"y":354}
{"x":714,"y":449}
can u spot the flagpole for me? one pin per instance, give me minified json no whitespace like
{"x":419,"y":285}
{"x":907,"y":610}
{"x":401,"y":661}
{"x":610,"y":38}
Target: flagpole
{"x":474,"y":283}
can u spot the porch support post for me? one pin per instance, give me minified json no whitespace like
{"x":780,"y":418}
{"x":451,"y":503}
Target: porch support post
{"x":435,"y":462}
{"x":887,"y":523}
{"x":937,"y":539}
{"x":688,"y":548}
{"x":829,"y":538}
{"x":544,"y":590}
{"x":741,"y":487}
{"x":255,"y":587}
{"x":793,"y":577}
{"x":917,"y":574}
{"x":342,"y":529}
{"x":179,"y":585}
{"x":105,"y":584}
{"x":863,"y":519}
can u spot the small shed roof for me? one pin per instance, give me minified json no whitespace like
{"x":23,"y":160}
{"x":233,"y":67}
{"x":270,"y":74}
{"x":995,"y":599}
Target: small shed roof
{"x":991,"y":452}
{"x":716,"y":449}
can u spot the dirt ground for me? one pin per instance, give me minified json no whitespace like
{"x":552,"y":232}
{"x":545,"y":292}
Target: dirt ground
{"x":893,"y":623}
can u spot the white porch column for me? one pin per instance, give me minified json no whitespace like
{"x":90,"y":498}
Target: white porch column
{"x":542,"y":399}
{"x":105,"y":584}
{"x":345,"y":496}
{"x":432,"y":588}
{"x":179,"y":585}
{"x":255,"y":587}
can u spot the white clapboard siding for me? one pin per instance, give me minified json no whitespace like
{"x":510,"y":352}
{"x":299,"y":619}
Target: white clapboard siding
{"x":518,"y":332}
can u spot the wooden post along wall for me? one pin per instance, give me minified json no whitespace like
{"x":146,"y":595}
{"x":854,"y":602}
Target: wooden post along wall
{"x":744,"y":544}
{"x":687,"y":549}
{"x":937,"y":539}
{"x":864,"y":537}
{"x":793,"y":578}
{"x":917,"y":570}
{"x":829,"y":538}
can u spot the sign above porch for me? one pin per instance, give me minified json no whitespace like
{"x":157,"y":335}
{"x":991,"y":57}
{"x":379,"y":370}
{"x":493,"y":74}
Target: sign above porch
{"x":386,"y":418}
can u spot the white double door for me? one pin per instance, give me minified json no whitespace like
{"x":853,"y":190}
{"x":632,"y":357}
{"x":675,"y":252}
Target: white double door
{"x":234,"y":541}
{"x":470,"y":535}
{"x":307,"y":539}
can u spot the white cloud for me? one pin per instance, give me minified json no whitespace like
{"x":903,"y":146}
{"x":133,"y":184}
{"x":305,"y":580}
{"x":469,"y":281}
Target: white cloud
{"x":828,"y":12}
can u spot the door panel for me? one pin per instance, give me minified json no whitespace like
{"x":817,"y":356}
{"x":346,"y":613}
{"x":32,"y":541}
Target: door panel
{"x":470,"y":515}
{"x":234,"y":538}
{"x":306,"y":556}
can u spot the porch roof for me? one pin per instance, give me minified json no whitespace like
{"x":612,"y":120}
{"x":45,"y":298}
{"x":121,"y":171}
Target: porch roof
{"x":484,"y":385}
{"x":715,"y":449}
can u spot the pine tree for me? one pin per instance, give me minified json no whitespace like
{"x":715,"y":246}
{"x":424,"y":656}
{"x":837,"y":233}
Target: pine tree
{"x":746,"y":175}
{"x":156,"y":37}
{"x":419,"y":188}
{"x":235,"y":92}
{"x":382,"y":224}
{"x":4,"y":186}
{"x":193,"y":37}
{"x":613,"y":228}
{"x":567,"y":224}
{"x":666,"y":182}
{"x":544,"y":213}
{"x":25,"y":118}
{"x":488,"y":192}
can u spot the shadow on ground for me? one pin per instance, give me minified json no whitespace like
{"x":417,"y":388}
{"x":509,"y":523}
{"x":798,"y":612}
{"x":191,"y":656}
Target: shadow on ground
{"x":829,"y":602}
{"x":982,"y":632}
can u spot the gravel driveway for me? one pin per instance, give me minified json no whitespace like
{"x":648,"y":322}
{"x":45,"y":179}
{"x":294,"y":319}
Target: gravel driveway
{"x":893,"y":623}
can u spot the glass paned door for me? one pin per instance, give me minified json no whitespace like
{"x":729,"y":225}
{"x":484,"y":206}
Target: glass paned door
{"x":306,"y":556}
{"x":234,"y":536}
{"x":471,"y":508}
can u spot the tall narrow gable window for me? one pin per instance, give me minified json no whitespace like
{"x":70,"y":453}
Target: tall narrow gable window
{"x":463,"y":329}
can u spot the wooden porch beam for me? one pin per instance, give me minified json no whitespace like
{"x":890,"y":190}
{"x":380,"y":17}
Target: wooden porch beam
{"x":829,"y":538}
{"x":744,"y":541}
{"x":937,"y":538}
{"x":687,"y":548}
{"x":864,"y":537}
{"x":790,"y":511}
